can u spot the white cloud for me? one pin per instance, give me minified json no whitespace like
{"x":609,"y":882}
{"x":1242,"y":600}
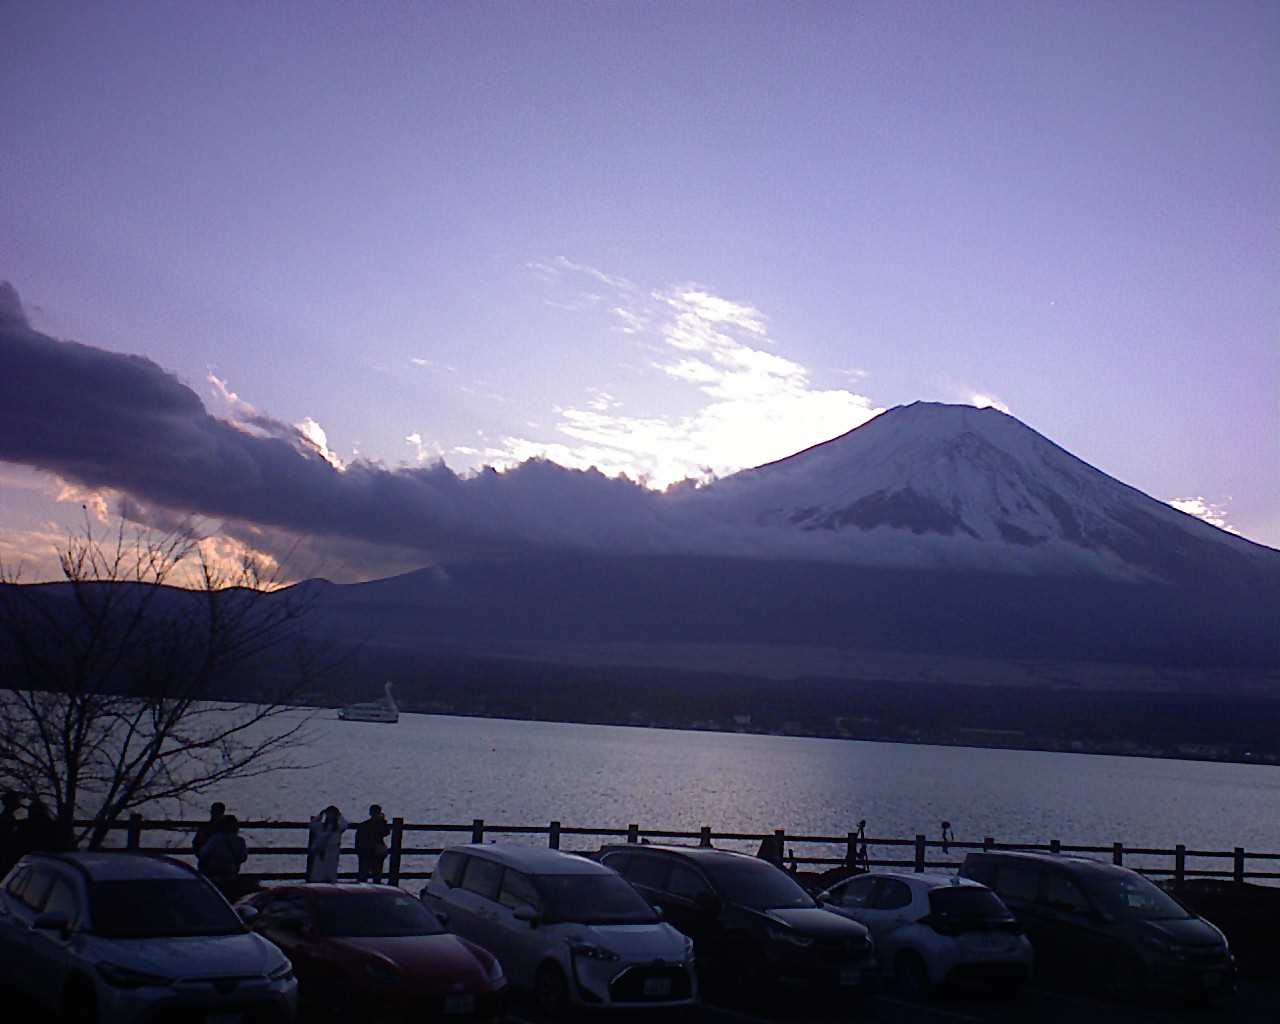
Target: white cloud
{"x":984,"y":400}
{"x":314,"y":433}
{"x":752,"y":405}
{"x":1212,"y":512}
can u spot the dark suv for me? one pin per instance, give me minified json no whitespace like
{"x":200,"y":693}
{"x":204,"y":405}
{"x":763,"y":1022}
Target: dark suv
{"x":749,"y":921}
{"x":1115,"y":924}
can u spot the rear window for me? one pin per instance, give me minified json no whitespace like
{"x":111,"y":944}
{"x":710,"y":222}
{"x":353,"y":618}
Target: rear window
{"x":968,"y":903}
{"x":651,"y":872}
{"x":482,"y":877}
{"x":1015,"y":882}
{"x":161,"y":907}
{"x":449,"y":868}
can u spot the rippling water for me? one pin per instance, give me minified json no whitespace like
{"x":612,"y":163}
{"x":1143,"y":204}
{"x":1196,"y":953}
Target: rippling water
{"x":440,"y":769}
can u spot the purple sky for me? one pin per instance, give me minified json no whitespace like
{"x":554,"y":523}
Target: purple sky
{"x":662,"y":238}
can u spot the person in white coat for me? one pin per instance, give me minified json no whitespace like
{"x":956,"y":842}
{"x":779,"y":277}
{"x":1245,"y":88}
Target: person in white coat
{"x":324,"y":842}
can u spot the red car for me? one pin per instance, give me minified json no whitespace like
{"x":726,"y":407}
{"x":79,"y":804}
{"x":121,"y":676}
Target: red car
{"x":371,"y":950}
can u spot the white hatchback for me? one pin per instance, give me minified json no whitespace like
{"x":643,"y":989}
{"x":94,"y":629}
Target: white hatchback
{"x":117,"y":937}
{"x":569,"y":930}
{"x":931,"y":929}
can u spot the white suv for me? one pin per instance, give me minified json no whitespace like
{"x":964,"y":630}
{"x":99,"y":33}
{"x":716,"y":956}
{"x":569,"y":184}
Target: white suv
{"x":113,"y":937}
{"x":569,"y":930}
{"x":933,"y":928}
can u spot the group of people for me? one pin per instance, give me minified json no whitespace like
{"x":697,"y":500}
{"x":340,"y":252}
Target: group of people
{"x":324,"y":842}
{"x":220,"y":850}
{"x":36,"y":830}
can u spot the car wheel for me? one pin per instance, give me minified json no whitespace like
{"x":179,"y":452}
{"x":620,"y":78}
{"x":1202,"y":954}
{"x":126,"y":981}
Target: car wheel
{"x":80,"y":1003}
{"x":1125,"y":979}
{"x":911,"y":974}
{"x":550,"y":990}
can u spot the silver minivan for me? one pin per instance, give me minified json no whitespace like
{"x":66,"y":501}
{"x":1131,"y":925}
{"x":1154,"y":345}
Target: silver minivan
{"x":570,"y":931}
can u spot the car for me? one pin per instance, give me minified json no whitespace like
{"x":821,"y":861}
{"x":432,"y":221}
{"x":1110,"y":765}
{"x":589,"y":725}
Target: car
{"x":356,"y":945}
{"x":1121,"y":929}
{"x":934,"y":929}
{"x":751,"y":922}
{"x":566,"y":929}
{"x":121,"y":937}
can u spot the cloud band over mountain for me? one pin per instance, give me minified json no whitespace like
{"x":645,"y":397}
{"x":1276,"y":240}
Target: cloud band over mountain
{"x":106,"y":420}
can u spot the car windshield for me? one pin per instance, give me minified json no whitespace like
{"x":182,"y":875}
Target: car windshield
{"x":373,"y":914}
{"x":592,"y":899}
{"x":151,"y":908}
{"x":967,"y":902}
{"x":758,"y":885}
{"x":1133,"y":897}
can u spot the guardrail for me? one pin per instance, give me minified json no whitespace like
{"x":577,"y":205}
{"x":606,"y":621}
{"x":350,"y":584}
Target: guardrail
{"x":919,"y":852}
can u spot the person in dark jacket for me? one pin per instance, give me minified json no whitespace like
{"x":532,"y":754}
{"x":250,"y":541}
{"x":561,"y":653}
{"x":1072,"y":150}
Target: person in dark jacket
{"x":223,"y":853}
{"x":371,"y":846}
{"x":38,"y":830}
{"x":209,"y":829}
{"x":9,"y":828}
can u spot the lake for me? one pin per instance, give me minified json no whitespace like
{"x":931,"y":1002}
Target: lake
{"x":431,"y":768}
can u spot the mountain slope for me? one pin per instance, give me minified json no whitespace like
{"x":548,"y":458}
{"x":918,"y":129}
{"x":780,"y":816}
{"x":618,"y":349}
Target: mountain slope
{"x":941,"y":486}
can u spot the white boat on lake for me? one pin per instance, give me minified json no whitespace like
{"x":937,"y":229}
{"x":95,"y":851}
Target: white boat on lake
{"x":384,"y":710}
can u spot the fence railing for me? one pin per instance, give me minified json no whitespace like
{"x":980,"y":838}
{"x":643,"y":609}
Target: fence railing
{"x":816,"y":853}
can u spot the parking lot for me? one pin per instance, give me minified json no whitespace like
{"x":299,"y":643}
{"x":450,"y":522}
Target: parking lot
{"x":1254,"y":1003}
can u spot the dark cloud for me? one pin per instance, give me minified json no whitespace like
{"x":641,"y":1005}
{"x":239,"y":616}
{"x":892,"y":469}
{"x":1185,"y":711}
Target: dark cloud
{"x":107,"y":420}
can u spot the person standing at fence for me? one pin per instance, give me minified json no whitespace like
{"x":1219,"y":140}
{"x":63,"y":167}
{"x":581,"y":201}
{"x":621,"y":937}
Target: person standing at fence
{"x":9,"y":826}
{"x":37,"y":831}
{"x":371,"y":846}
{"x":324,"y":844}
{"x":948,"y":837}
{"x":222,"y":854}
{"x":209,"y":829}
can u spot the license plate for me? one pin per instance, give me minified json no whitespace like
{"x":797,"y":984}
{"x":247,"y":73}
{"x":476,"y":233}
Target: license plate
{"x":459,"y":1004}
{"x":850,"y":976}
{"x":657,"y":986}
{"x":225,"y":1018}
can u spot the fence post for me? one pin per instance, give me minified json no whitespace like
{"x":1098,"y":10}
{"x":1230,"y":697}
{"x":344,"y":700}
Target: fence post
{"x":477,"y":830}
{"x":851,"y":853}
{"x":920,"y":841}
{"x":553,"y":836}
{"x":1237,"y":868}
{"x":397,"y":844}
{"x":988,"y":843}
{"x":1117,"y":853}
{"x":134,"y":840}
{"x":633,"y":833}
{"x":1180,"y":863}
{"x":1055,"y":845}
{"x":705,"y":839}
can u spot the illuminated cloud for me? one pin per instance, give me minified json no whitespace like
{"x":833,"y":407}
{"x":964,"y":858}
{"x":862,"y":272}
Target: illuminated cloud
{"x":987,"y":401}
{"x":1212,"y":512}
{"x":751,"y":405}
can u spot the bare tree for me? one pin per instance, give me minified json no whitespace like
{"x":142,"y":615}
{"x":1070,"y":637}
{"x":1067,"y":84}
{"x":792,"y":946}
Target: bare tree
{"x":123,"y":690}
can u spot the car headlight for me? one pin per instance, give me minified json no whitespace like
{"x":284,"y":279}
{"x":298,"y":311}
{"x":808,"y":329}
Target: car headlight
{"x":493,"y":974}
{"x":281,"y":972}
{"x":592,"y":952}
{"x":381,"y":971}
{"x":688,"y":948}
{"x":126,"y":977}
{"x":1160,"y":944}
{"x":790,"y":938}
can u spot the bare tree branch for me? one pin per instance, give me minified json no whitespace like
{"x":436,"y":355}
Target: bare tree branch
{"x":130,"y":691}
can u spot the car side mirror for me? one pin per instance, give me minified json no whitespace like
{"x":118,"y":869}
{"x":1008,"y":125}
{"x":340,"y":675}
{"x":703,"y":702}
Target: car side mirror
{"x":56,"y":922}
{"x":248,"y":913}
{"x":526,"y":914}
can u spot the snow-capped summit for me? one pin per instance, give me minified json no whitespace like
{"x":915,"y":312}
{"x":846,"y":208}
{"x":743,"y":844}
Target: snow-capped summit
{"x":952,"y":486}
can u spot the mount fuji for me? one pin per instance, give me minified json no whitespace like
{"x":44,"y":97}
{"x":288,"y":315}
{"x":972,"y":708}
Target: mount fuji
{"x":929,"y":486}
{"x":933,"y":542}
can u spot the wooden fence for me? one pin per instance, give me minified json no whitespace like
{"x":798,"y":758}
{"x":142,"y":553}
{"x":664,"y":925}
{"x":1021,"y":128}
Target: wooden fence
{"x":817,"y":853}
